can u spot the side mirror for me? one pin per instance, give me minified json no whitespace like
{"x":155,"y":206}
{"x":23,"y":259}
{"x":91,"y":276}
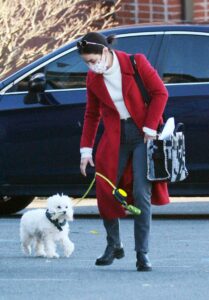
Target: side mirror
{"x":36,"y":87}
{"x":37,"y":83}
{"x":36,"y":91}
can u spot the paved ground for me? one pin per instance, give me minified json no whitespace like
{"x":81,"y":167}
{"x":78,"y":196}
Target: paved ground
{"x":179,"y":253}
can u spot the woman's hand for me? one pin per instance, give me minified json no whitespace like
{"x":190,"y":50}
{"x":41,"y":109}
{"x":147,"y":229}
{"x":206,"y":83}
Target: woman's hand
{"x":84,"y":163}
{"x":149,"y":137}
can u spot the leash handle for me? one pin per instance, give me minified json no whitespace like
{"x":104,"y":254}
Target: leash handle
{"x":119,"y":194}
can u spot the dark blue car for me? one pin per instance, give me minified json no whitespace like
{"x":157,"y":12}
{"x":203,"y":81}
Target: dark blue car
{"x":40,"y":133}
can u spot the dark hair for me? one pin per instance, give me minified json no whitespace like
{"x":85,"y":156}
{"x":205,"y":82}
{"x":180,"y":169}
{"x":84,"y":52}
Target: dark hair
{"x":94,"y":42}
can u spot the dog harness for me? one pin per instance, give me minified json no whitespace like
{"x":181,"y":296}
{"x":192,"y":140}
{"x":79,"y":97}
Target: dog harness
{"x":55,"y":222}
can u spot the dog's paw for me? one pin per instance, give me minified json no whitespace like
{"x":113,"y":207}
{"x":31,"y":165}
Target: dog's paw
{"x":26,"y":250}
{"x":52,"y":255}
{"x":69,"y":250}
{"x":40,"y":254}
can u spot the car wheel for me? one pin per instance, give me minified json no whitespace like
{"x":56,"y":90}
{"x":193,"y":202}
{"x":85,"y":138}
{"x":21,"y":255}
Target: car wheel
{"x":10,"y":204}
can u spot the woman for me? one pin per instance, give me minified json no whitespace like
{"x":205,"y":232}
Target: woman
{"x":113,"y":95}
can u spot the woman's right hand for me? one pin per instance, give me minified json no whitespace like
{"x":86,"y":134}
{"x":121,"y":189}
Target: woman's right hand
{"x":84,"y":163}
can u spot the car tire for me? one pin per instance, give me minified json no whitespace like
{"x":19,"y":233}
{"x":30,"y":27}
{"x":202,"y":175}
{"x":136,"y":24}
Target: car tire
{"x":12,"y":204}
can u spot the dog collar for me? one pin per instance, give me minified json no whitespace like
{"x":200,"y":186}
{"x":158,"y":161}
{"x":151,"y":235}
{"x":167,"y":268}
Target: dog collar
{"x":55,"y":222}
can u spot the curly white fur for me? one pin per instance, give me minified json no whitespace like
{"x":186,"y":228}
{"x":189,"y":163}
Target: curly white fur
{"x":39,"y":234}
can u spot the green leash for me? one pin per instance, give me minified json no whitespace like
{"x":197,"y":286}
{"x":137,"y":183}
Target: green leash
{"x":89,"y":188}
{"x":119,"y":194}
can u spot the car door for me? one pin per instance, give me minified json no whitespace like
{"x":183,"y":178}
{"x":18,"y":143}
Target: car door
{"x":183,"y":66}
{"x":40,"y":143}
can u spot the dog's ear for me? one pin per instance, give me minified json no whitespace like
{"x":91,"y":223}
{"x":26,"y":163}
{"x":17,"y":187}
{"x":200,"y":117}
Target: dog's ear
{"x":50,"y":214}
{"x":51,"y":210}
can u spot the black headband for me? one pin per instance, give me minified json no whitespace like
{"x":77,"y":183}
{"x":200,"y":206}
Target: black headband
{"x":84,"y":43}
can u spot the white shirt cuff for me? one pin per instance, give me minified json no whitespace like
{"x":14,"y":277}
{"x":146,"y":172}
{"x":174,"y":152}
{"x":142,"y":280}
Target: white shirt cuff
{"x":149,"y":131}
{"x":86,"y":152}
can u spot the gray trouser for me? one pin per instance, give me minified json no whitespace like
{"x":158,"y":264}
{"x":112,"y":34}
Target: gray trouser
{"x":132,"y":144}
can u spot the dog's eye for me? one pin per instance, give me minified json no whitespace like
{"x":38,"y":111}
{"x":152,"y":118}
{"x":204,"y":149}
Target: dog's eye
{"x":66,"y":207}
{"x":59,"y":206}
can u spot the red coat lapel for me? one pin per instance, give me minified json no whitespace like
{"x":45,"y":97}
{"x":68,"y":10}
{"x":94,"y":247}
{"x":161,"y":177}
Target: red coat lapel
{"x":126,"y":71}
{"x":100,"y":90}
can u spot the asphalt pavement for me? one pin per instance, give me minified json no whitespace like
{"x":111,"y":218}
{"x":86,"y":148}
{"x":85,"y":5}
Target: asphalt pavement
{"x":179,"y":251}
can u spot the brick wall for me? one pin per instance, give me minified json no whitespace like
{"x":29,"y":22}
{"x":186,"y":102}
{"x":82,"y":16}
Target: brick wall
{"x":138,"y":11}
{"x":201,"y":10}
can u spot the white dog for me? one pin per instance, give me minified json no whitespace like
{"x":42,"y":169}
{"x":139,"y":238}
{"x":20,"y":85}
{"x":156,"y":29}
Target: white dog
{"x":40,"y":228}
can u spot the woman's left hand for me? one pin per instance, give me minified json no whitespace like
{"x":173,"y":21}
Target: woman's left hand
{"x":149,"y":137}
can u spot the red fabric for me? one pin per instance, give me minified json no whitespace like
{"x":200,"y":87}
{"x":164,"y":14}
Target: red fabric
{"x":100,"y":105}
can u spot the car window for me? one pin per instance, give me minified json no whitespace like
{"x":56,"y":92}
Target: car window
{"x":67,"y":72}
{"x":136,"y":44}
{"x":186,"y":59}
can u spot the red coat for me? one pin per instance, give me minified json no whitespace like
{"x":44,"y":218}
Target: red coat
{"x":100,"y":105}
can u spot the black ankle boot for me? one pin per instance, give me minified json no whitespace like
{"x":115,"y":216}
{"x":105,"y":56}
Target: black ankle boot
{"x":143,"y":263}
{"x":109,"y":255}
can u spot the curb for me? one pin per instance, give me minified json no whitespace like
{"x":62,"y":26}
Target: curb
{"x":184,"y":209}
{"x":155,"y":216}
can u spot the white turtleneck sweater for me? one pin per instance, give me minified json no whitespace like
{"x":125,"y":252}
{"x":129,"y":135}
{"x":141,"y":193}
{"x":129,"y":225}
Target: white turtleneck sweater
{"x":113,"y":81}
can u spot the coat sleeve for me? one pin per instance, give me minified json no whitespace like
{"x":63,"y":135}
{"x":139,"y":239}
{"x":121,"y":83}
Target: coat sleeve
{"x":91,"y":119}
{"x":156,"y":90}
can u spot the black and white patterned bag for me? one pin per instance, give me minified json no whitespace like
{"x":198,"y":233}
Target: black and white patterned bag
{"x":166,"y":158}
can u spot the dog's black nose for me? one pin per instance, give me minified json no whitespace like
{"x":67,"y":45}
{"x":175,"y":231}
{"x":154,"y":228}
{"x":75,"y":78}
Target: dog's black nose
{"x":64,"y":212}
